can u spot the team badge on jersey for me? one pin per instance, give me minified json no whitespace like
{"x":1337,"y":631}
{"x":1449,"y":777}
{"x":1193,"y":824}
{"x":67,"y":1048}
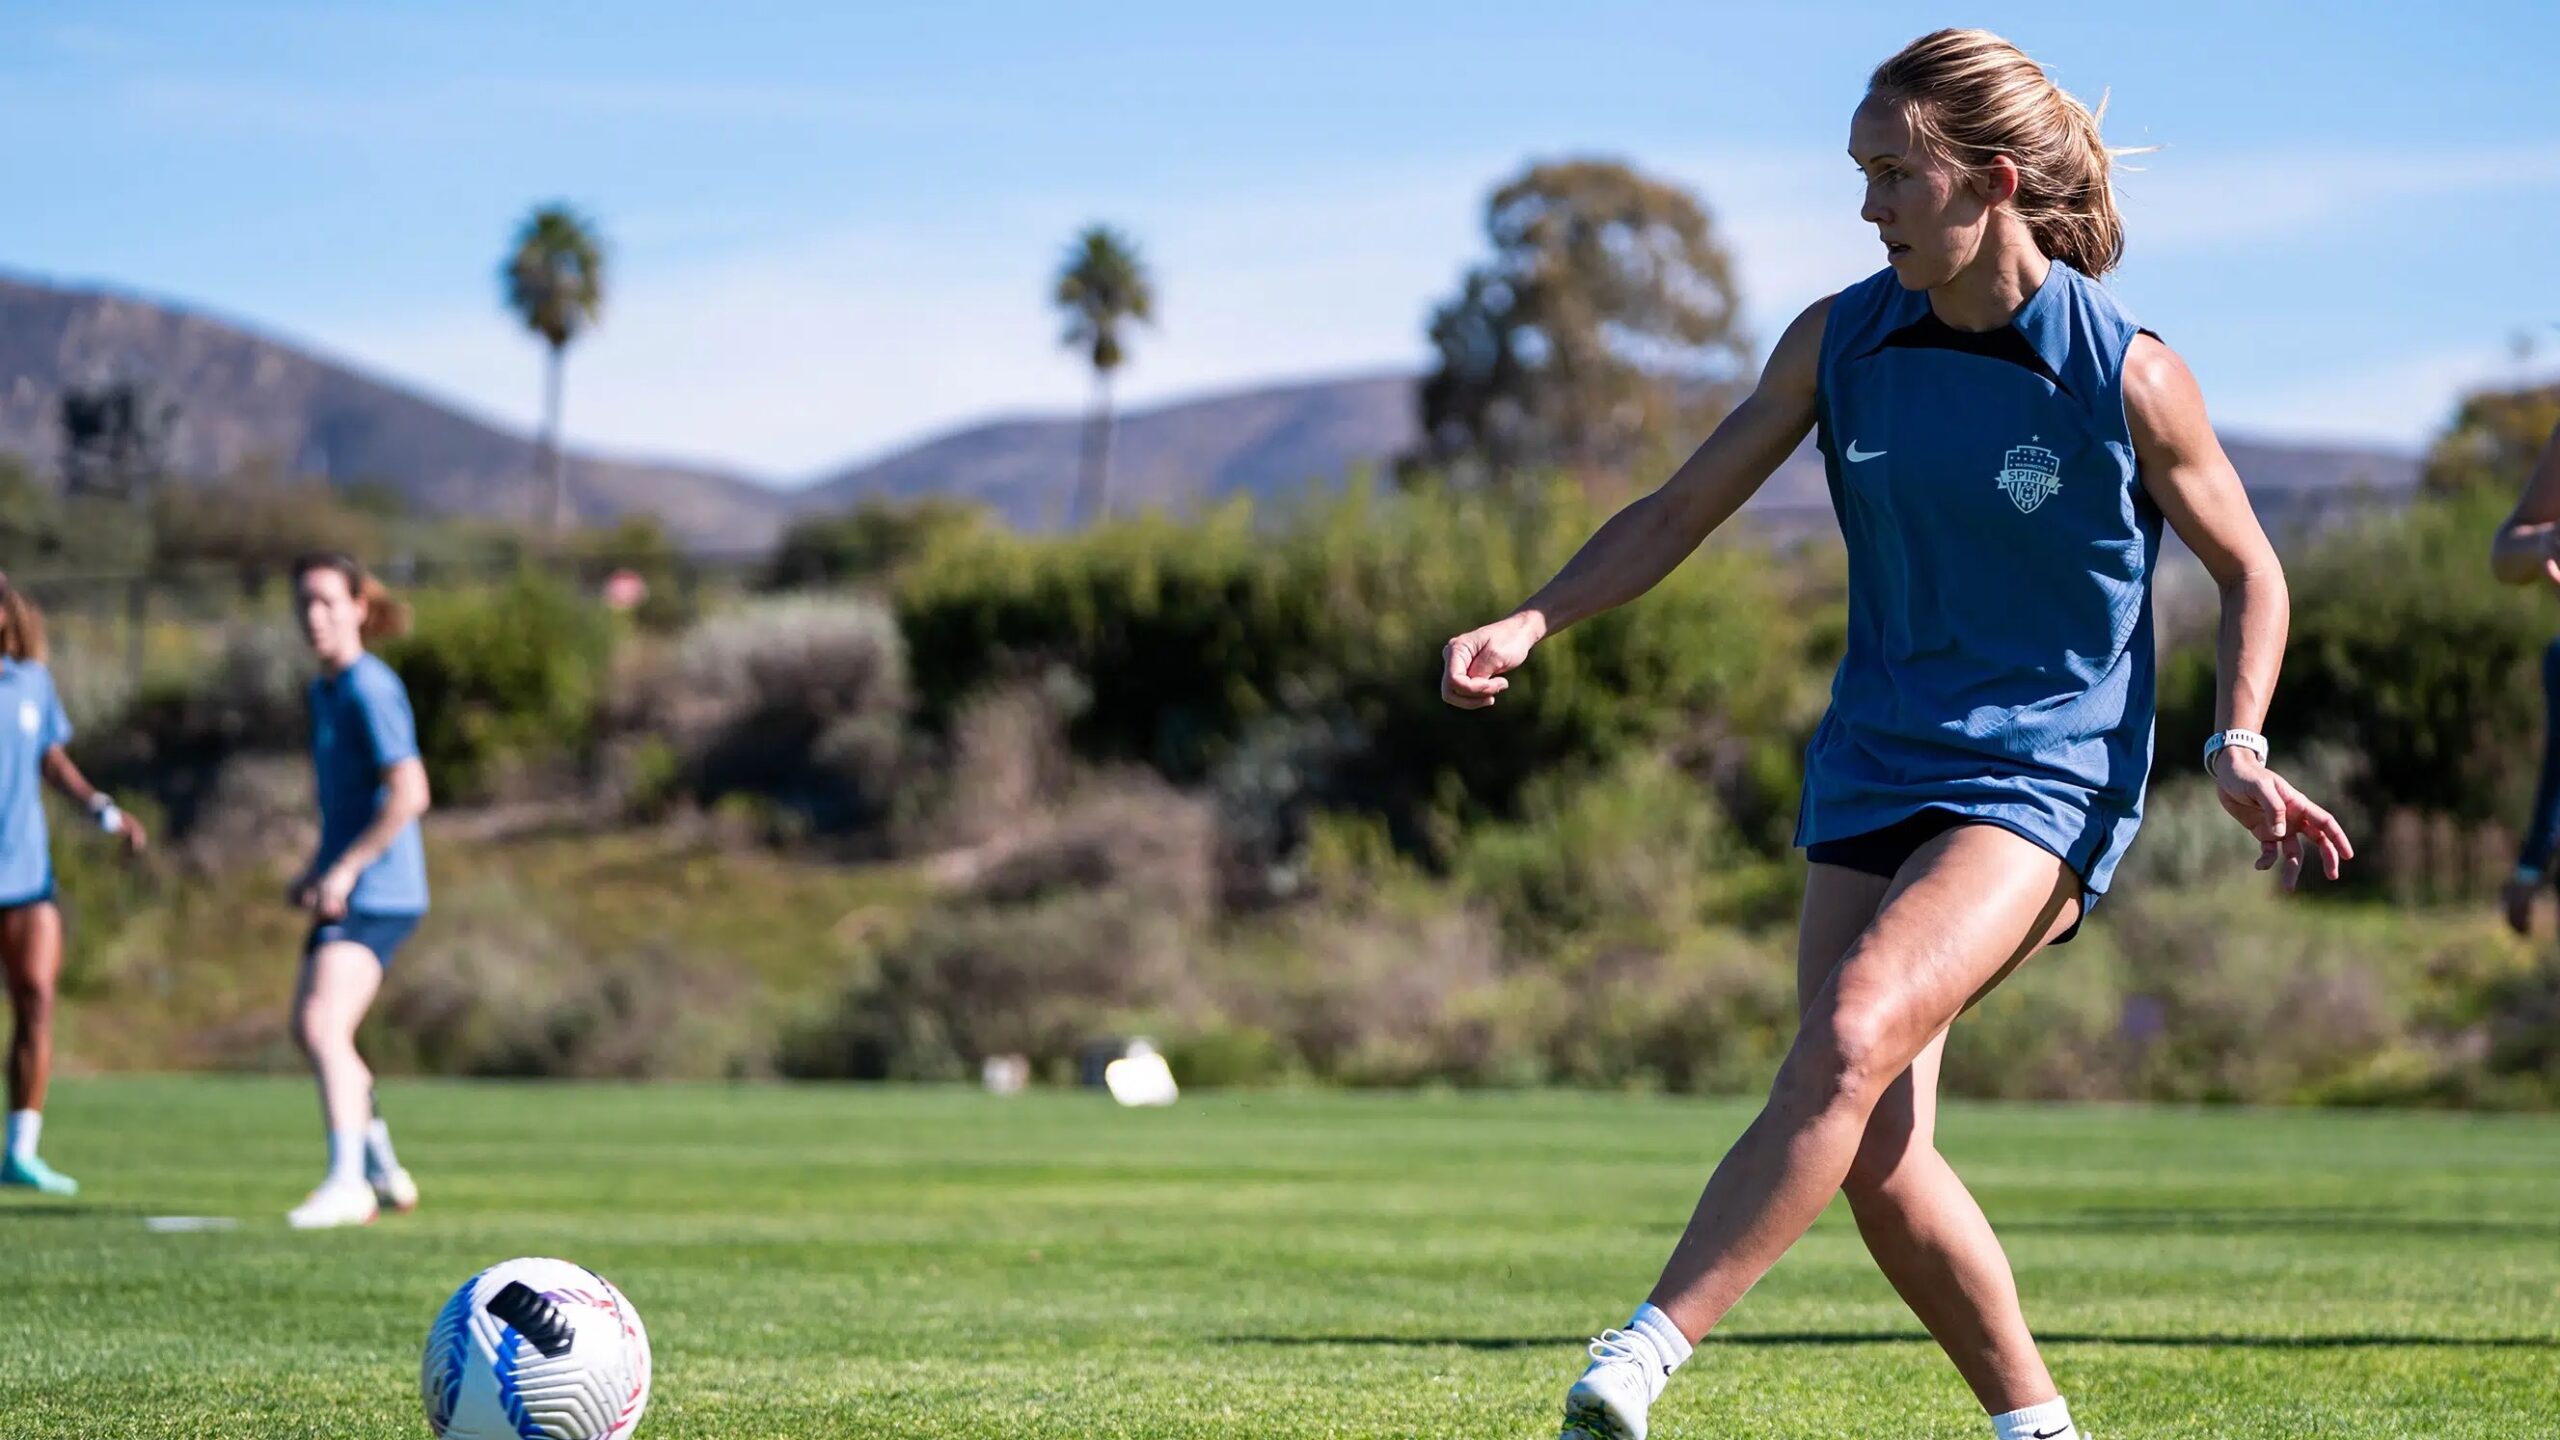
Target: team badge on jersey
{"x":30,"y":718}
{"x":2030,"y":476}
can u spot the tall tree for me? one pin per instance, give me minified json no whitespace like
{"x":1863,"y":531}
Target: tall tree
{"x":554,"y":278}
{"x":2493,"y":440}
{"x":1103,"y":285}
{"x":1605,"y":321}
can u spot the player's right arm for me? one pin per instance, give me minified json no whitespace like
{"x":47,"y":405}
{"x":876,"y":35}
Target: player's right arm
{"x":404,"y":799}
{"x":1647,"y":540}
{"x":2528,"y":545}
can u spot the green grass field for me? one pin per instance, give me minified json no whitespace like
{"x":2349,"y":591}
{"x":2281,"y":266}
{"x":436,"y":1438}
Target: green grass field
{"x":862,"y":1262}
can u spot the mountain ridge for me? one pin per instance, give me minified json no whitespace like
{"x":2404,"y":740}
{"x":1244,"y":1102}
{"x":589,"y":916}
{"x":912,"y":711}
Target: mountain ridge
{"x":248,"y":396}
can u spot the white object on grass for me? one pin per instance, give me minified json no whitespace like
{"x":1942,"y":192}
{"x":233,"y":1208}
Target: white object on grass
{"x":1141,"y":1079}
{"x":187,"y":1224}
{"x":1005,"y":1074}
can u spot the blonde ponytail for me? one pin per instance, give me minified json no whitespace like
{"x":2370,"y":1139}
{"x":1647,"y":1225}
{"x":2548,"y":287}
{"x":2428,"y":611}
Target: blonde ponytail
{"x":1971,"y":96}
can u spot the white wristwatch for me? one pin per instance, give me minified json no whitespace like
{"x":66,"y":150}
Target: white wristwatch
{"x":2249,"y":740}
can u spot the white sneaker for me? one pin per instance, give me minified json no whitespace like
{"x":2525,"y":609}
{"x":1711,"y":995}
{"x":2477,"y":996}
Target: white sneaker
{"x":395,"y":1191}
{"x":347,"y":1202}
{"x":1610,"y":1400}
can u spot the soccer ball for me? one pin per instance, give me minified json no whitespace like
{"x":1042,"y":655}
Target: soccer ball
{"x":536,"y":1350}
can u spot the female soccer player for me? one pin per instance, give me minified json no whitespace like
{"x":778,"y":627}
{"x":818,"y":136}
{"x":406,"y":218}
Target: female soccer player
{"x":2003,"y":443}
{"x":366,"y":887}
{"x":33,"y":731}
{"x":2528,"y":549}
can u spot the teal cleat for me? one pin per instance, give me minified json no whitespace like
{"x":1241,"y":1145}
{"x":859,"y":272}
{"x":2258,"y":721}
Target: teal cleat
{"x":31,"y":1173}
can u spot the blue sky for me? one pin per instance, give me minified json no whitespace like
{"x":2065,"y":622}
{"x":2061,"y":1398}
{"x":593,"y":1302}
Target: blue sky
{"x":833,"y":225}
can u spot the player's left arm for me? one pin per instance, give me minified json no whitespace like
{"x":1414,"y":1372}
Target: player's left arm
{"x":65,"y":776}
{"x":2199,"y":493}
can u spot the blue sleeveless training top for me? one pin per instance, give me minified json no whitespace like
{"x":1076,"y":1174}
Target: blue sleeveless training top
{"x":2001,"y":546}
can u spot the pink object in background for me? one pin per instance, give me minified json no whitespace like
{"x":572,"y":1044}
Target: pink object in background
{"x":625,"y":590}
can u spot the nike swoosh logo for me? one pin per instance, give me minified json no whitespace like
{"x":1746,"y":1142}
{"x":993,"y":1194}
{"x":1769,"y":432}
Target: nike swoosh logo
{"x":1855,"y":456}
{"x":2049,"y":1434}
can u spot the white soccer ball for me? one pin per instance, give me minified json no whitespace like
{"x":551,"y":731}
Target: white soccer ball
{"x":536,"y":1350}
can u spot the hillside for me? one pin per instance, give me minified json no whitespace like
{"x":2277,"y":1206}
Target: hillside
{"x":244,"y":398}
{"x":247,"y":398}
{"x":1264,"y":442}
{"x":1272,"y":441}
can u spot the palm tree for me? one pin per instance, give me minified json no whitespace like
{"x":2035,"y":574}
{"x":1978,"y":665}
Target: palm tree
{"x":1102,"y":285}
{"x":554,"y":279}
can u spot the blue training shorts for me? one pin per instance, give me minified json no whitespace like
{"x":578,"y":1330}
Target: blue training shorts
{"x":381,"y":934}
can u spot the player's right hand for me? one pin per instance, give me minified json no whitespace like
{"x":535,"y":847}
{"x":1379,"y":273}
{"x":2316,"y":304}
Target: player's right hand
{"x":2292,"y":832}
{"x":1472,"y":665}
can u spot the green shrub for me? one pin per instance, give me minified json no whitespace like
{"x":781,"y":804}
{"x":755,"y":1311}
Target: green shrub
{"x":2408,"y":654}
{"x":801,"y":701}
{"x":504,"y":677}
{"x":1040,"y":979}
{"x":488,"y":989}
{"x":1636,"y":856}
{"x":1713,"y":1013}
{"x":1214,"y":1055}
{"x":251,"y":693}
{"x":190,"y":722}
{"x":869,"y":545}
{"x":641,"y":545}
{"x":104,"y":894}
{"x":1395,"y":988}
{"x":2236,"y":993}
{"x":1194,"y":637}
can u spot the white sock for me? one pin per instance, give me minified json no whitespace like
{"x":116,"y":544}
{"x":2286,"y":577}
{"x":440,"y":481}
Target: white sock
{"x":346,"y":1158}
{"x":1655,"y":1326}
{"x":24,"y":1127}
{"x":378,"y":1153}
{"x":2048,"y":1421}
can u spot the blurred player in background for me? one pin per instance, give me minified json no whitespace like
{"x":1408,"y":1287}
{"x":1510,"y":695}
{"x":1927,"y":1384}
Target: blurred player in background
{"x":2527,"y":551}
{"x":366,"y":886}
{"x":33,"y":730}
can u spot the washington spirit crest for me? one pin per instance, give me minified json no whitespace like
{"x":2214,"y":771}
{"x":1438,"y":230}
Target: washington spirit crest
{"x":2030,"y":476}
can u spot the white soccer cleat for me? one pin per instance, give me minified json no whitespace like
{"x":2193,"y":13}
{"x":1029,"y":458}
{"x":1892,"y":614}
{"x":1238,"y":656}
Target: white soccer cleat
{"x":395,"y":1191}
{"x":1610,"y":1400}
{"x":334,"y":1205}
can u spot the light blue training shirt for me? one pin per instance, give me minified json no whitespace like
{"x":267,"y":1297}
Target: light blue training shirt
{"x":31,"y":722}
{"x":2001,"y":547}
{"x":361,"y":726}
